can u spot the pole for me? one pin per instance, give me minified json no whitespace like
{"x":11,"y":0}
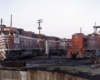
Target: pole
{"x":11,"y":21}
{"x":1,"y":21}
{"x":80,"y":30}
{"x":95,"y":23}
{"x":39,"y":21}
{"x":95,"y":29}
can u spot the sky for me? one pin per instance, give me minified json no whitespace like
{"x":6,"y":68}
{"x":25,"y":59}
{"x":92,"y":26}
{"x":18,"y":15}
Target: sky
{"x":61,"y":18}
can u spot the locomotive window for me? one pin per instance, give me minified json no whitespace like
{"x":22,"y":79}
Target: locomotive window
{"x":15,"y":35}
{"x":11,"y":33}
{"x":6,"y":32}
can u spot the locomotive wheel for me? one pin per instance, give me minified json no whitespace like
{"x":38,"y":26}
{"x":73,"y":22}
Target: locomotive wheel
{"x":59,"y":53}
{"x":74,"y":56}
{"x":13,"y":55}
{"x":87,"y":54}
{"x":40,"y":53}
{"x":7,"y":55}
{"x":18,"y":54}
{"x":94,"y":59}
{"x":35,"y":53}
{"x":49,"y":55}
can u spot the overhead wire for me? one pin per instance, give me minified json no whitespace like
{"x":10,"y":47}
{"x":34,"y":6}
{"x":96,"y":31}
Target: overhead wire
{"x":18,"y":20}
{"x":24,"y":20}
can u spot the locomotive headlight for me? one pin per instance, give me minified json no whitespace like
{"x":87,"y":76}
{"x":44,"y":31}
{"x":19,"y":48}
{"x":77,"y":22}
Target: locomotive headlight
{"x":76,"y":37}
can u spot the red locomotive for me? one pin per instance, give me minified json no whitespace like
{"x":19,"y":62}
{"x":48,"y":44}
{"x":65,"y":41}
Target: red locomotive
{"x":84,"y":45}
{"x":16,"y":43}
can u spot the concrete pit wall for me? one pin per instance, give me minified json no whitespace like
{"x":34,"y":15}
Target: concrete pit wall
{"x":35,"y":75}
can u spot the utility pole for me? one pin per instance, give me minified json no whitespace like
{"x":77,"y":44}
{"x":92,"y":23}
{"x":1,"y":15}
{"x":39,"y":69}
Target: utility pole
{"x":11,"y":21}
{"x":1,"y":21}
{"x":95,"y":28}
{"x":39,"y":21}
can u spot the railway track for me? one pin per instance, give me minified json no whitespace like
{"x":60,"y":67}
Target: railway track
{"x":39,"y":61}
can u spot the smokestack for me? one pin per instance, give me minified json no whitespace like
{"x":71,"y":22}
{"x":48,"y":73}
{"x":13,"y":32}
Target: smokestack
{"x":95,"y":23}
{"x":80,"y":30}
{"x":11,"y":21}
{"x":1,"y":21}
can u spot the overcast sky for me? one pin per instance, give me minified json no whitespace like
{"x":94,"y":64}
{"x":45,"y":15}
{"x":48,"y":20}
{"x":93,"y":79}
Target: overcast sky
{"x":61,"y":18}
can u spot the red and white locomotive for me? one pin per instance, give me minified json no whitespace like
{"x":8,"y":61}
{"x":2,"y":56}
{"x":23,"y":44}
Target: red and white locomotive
{"x":16,"y":43}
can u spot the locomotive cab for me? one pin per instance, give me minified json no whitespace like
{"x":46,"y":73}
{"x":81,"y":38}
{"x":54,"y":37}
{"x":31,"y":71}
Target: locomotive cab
{"x":8,"y":36}
{"x":78,"y":45}
{"x":4,"y":40}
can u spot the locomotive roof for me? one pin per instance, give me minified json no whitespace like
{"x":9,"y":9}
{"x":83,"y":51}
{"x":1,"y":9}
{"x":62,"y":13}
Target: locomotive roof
{"x":9,"y":28}
{"x":79,"y":34}
{"x":15,"y":30}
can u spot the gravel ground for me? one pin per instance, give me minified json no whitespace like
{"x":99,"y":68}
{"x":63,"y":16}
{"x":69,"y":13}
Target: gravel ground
{"x":76,"y":67}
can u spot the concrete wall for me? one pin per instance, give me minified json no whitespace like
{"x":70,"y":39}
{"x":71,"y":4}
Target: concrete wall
{"x":34,"y":75}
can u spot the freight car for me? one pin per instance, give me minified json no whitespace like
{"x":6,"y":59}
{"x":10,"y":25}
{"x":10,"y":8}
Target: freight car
{"x":16,"y":43}
{"x":84,"y":45}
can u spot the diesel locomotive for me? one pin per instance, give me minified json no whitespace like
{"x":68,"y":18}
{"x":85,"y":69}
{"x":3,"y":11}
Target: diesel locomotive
{"x":17,"y":43}
{"x":84,"y":46}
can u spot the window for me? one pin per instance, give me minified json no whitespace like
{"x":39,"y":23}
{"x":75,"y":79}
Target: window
{"x":6,"y":32}
{"x":11,"y":33}
{"x":15,"y":35}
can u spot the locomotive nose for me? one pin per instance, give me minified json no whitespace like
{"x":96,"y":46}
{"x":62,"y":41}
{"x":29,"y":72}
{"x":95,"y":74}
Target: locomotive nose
{"x":3,"y":42}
